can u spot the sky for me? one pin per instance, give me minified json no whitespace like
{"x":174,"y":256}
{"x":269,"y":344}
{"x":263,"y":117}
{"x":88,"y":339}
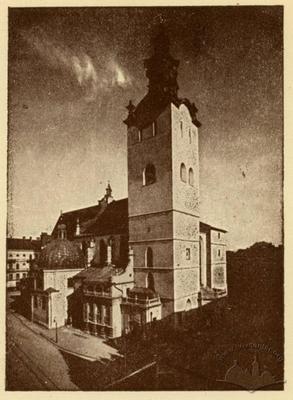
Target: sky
{"x":72,"y":71}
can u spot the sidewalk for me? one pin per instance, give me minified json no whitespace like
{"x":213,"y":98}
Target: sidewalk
{"x":73,"y":341}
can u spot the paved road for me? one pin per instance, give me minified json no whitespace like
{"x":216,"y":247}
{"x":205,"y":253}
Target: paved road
{"x":32,"y":362}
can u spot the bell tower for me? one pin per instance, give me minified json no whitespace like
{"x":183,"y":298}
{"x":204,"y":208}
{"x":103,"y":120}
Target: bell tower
{"x":163,"y":185}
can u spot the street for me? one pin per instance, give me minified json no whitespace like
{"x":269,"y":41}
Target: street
{"x":32,"y":362}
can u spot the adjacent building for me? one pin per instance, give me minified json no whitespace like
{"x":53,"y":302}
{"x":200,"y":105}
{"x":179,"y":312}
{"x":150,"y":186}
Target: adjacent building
{"x":20,"y":254}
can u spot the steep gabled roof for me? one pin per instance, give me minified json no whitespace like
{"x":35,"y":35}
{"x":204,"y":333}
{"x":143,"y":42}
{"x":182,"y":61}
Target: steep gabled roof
{"x":101,"y":219}
{"x":114,"y":219}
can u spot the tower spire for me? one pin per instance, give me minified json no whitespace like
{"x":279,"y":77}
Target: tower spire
{"x":161,"y":67}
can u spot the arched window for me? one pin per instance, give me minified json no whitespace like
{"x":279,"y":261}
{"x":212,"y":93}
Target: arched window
{"x":191,"y":177}
{"x":149,"y":257}
{"x":149,"y":175}
{"x":150,"y":281}
{"x":183,"y":172}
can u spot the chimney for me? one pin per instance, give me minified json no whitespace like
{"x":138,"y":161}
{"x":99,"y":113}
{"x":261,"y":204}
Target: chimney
{"x":23,"y":237}
{"x":44,"y":238}
{"x":30,"y":238}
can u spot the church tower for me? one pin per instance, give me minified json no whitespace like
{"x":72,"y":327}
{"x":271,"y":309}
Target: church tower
{"x":163,"y":185}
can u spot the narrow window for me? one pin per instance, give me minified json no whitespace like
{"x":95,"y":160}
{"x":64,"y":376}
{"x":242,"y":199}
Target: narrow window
{"x":149,"y":175}
{"x":187,"y":253}
{"x":189,"y":131}
{"x":181,"y":128}
{"x":190,"y":177}
{"x":150,"y":281}
{"x":10,"y":277}
{"x":154,"y":128}
{"x":35,"y":301}
{"x":17,"y":266}
{"x":139,"y":135}
{"x":219,"y":235}
{"x":183,"y":172}
{"x":219,"y":253}
{"x":149,"y":257}
{"x":17,"y":276}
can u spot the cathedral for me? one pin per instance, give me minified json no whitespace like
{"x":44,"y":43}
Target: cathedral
{"x":125,"y":263}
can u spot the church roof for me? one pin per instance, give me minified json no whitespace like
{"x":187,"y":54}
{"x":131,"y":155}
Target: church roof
{"x":98,"y":220}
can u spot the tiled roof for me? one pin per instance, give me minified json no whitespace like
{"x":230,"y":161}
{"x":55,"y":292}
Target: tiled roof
{"x":96,"y":274}
{"x":61,"y":254}
{"x":100,"y":219}
{"x":113,"y":220}
{"x":23,"y":244}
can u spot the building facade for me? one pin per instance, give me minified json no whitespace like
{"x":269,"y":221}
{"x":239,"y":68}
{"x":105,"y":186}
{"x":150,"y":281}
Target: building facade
{"x":20,"y":254}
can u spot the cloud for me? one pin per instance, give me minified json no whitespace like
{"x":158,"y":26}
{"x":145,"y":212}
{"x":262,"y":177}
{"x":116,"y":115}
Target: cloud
{"x":119,"y":76}
{"x":92,"y":77}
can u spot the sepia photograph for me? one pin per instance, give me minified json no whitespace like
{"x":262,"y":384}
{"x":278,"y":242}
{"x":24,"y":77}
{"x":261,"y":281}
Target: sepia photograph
{"x":145,"y":168}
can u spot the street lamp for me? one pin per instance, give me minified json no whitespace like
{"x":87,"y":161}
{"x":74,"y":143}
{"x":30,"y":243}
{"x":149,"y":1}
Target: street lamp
{"x":56,"y":330}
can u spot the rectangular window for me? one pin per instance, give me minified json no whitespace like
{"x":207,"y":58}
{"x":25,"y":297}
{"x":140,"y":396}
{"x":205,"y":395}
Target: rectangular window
{"x":17,"y":266}
{"x":181,"y":128}
{"x":187,"y":253}
{"x":10,"y":277}
{"x":219,"y":235}
{"x":44,"y":303}
{"x":219,"y":253}
{"x":23,"y":255}
{"x":17,"y":276}
{"x":154,"y":128}
{"x":24,"y":275}
{"x":36,"y":301}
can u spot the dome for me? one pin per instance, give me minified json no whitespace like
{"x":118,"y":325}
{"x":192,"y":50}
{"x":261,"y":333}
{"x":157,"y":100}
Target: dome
{"x":61,"y":253}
